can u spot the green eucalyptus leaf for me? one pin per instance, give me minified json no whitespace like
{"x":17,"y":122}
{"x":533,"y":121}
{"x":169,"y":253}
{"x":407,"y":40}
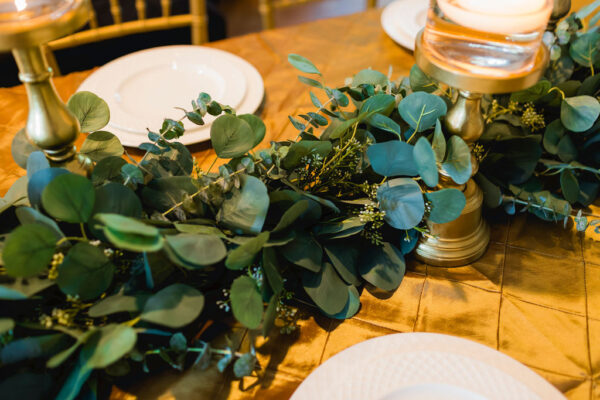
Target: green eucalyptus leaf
{"x":21,"y":289}
{"x":108,"y":169}
{"x":6,"y":324}
{"x":554,"y":132}
{"x":244,"y":255}
{"x":392,"y":158}
{"x":326,"y":289}
{"x":130,"y":234}
{"x":21,"y":148}
{"x":421,"y":110}
{"x":244,"y":210}
{"x":420,"y":82}
{"x":257,"y":125}
{"x":303,"y":64}
{"x":304,"y":251}
{"x":299,"y":150}
{"x":174,"y":306}
{"x":569,"y":186}
{"x":28,"y":250}
{"x":579,"y":113}
{"x":28,"y":215}
{"x":132,"y":174}
{"x":85,"y":272}
{"x":344,"y":259}
{"x":566,"y":149}
{"x":90,"y":110}
{"x":70,"y":198}
{"x":270,"y":315}
{"x":458,"y":160}
{"x":352,"y":305}
{"x":439,"y":142}
{"x":384,"y":123}
{"x":246,"y":302}
{"x":533,"y":93}
{"x":402,"y":201}
{"x":585,"y":49}
{"x":380,"y":103}
{"x":269,"y":264}
{"x":561,"y":70}
{"x":101,"y":144}
{"x":32,"y":347}
{"x":17,"y":195}
{"x":116,"y":304}
{"x":36,"y":161}
{"x":77,"y":377}
{"x":339,"y":229}
{"x":590,"y":86}
{"x":244,"y":366}
{"x":447,"y":205}
{"x":197,"y":250}
{"x":200,"y":229}
{"x":108,"y":344}
{"x":369,"y":77}
{"x":425,"y":160}
{"x":38,"y":182}
{"x":382,"y":266}
{"x":492,"y":195}
{"x":231,"y":136}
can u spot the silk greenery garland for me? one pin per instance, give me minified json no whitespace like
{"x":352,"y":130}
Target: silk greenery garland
{"x":105,"y":276}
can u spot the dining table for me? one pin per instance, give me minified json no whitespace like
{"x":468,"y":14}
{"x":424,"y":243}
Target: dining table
{"x":534,"y":295}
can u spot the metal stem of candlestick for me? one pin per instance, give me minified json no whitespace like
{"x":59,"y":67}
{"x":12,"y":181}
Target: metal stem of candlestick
{"x":465,"y":239}
{"x":50,"y":125}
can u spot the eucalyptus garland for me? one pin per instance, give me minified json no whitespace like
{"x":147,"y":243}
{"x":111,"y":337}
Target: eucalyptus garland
{"x":144,"y":262}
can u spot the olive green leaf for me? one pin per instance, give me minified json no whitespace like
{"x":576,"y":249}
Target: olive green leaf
{"x":439,"y":142}
{"x":301,"y":149}
{"x":130,"y":234}
{"x":269,"y":264}
{"x":382,"y":266}
{"x":174,"y":306}
{"x":28,"y":250}
{"x":6,"y":324}
{"x":585,"y":49}
{"x":425,"y":159}
{"x":579,"y":113}
{"x":402,"y":201}
{"x":244,"y":255}
{"x":108,"y":169}
{"x":101,"y":144}
{"x":303,"y":64}
{"x":245,"y":210}
{"x":421,"y":110}
{"x":116,"y":304}
{"x":380,"y":103}
{"x":270,"y":315}
{"x":231,"y":136}
{"x":458,"y":160}
{"x":246,"y":302}
{"x":91,"y":111}
{"x":569,"y":186}
{"x":304,"y":251}
{"x":28,"y":215}
{"x":420,"y":82}
{"x":85,"y":272}
{"x":108,"y":344}
{"x":352,"y":305}
{"x":257,"y":125}
{"x":326,"y":289}
{"x":344,"y":259}
{"x":447,"y":205}
{"x":196,"y":250}
{"x":554,"y":132}
{"x":533,"y":93}
{"x":566,"y":149}
{"x":69,"y":198}
{"x":369,"y":77}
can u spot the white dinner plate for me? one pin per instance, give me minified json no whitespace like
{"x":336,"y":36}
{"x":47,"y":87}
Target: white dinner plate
{"x":423,"y":366}
{"x":144,"y":87}
{"x":403,"y":19}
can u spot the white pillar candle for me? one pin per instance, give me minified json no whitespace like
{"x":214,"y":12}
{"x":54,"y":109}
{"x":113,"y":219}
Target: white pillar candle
{"x":498,"y":16}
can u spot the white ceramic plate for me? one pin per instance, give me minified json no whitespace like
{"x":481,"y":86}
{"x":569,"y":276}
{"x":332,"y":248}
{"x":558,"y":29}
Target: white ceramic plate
{"x":403,"y":19}
{"x":144,"y":87}
{"x":423,"y":366}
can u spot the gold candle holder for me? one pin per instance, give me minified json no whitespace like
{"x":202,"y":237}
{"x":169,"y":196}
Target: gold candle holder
{"x":465,"y":239}
{"x":24,"y":28}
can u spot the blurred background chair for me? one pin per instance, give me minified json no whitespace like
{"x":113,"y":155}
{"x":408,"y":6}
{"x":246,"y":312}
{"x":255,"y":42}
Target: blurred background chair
{"x":267,"y":9}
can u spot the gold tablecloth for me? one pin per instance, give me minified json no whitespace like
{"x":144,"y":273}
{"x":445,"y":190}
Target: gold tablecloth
{"x":535,"y":295}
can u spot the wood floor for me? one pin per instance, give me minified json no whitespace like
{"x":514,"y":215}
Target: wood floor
{"x":242,"y":15}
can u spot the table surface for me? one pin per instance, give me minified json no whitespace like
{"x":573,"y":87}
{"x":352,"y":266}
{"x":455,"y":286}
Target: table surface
{"x":535,"y":294}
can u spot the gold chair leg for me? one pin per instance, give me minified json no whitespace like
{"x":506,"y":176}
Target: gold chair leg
{"x":371,"y":3}
{"x":199,"y":22}
{"x":51,"y":60}
{"x":265,"y":7}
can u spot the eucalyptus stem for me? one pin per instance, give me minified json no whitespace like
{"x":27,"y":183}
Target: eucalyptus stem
{"x":329,"y":100}
{"x":83,"y":231}
{"x":326,"y":164}
{"x":212,"y":164}
{"x":67,"y":238}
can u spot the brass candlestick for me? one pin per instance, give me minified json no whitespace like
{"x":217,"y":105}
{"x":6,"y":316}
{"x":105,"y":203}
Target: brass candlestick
{"x":465,"y":239}
{"x":24,"y":28}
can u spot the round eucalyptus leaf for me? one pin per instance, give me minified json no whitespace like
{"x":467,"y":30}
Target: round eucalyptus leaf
{"x":382,"y":266}
{"x":35,"y":162}
{"x":393,"y":158}
{"x":107,"y":345}
{"x":326,"y":289}
{"x":115,"y":198}
{"x":458,"y":160}
{"x":28,"y":250}
{"x":91,"y":111}
{"x":303,"y":64}
{"x":116,"y":304}
{"x":244,"y":366}
{"x":552,"y":135}
{"x":402,"y":201}
{"x":70,"y":198}
{"x":299,"y":150}
{"x":420,"y":110}
{"x":585,"y":49}
{"x":270,"y":264}
{"x":532,"y":93}
{"x":569,"y":186}
{"x":304,"y":251}
{"x":352,"y":305}
{"x":380,"y":103}
{"x":246,"y":302}
{"x":439,"y":142}
{"x":244,"y":255}
{"x":257,"y":125}
{"x":28,"y":215}
{"x":174,"y":306}
{"x":245,"y":209}
{"x":38,"y":182}
{"x":130,"y":234}
{"x":579,"y":113}
{"x":566,"y":149}
{"x":21,"y":148}
{"x":197,"y":250}
{"x":492,"y":195}
{"x":344,"y":259}
{"x":447,"y":205}
{"x":420,"y":82}
{"x":425,"y":159}
{"x":101,"y":144}
{"x":369,"y":77}
{"x":590,"y":86}
{"x":231,"y":136}
{"x":85,"y":272}
{"x":108,"y":169}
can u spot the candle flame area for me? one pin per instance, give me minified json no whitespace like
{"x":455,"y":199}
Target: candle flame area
{"x":20,"y":5}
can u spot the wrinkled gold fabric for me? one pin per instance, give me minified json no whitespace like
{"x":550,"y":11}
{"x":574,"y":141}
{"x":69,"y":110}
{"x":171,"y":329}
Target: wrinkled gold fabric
{"x":535,"y":295}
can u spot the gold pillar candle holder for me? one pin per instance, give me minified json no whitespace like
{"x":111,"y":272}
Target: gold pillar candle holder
{"x":465,"y":239}
{"x":24,"y":27}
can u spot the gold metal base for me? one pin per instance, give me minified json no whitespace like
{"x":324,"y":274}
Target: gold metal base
{"x":458,"y":242}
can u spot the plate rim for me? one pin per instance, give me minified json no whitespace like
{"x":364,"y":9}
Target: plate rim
{"x":250,"y":103}
{"x":394,"y":30}
{"x":454,"y":345}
